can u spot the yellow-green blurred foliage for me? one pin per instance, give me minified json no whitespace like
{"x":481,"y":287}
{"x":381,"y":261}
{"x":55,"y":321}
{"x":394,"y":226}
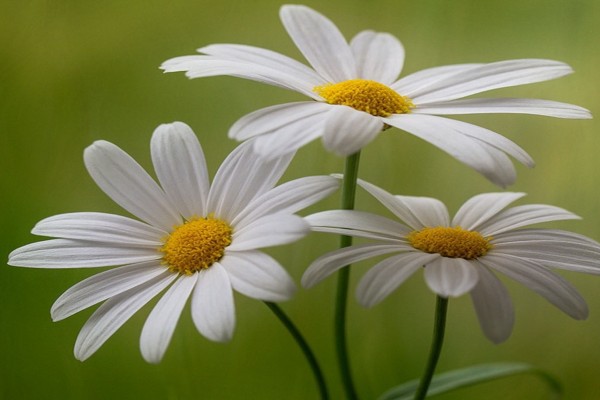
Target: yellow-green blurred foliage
{"x":72,"y":72}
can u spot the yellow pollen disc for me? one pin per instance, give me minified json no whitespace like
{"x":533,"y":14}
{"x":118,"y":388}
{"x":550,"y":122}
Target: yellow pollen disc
{"x":450,"y":242}
{"x":196,"y":244}
{"x":364,"y":95}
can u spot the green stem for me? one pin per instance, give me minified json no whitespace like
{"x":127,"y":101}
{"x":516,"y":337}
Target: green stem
{"x":303,"y":344}
{"x":439,"y":327}
{"x":348,"y":196}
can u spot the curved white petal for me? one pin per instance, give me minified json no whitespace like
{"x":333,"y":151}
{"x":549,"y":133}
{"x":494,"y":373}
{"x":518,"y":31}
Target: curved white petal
{"x":328,"y":263}
{"x":160,"y":325}
{"x":290,"y":138}
{"x":213,"y":309}
{"x":126,"y":182}
{"x":66,"y":253}
{"x":387,"y":275}
{"x":348,"y":130}
{"x":240,"y":178}
{"x":102,"y":286}
{"x":491,"y":76}
{"x":505,"y":105}
{"x":379,"y":56}
{"x":461,"y":141}
{"x":541,"y":280}
{"x":270,"y":230}
{"x":533,"y":234}
{"x":411,"y":85}
{"x":100,"y":227}
{"x":493,"y":306}
{"x":551,"y":248}
{"x":287,"y":198}
{"x":263,"y":57}
{"x":320,"y":41}
{"x":276,"y":118}
{"x":451,"y":277}
{"x":257,"y":275}
{"x":181,"y":168}
{"x":480,"y":208}
{"x":111,"y":315}
{"x":476,"y":132}
{"x":428,"y":211}
{"x":357,"y":223}
{"x":205,"y":66}
{"x":519,"y":216}
{"x":410,"y":209}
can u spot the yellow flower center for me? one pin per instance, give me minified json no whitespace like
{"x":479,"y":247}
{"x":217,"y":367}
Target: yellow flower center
{"x":196,"y":244}
{"x":364,"y":95}
{"x":450,"y":242}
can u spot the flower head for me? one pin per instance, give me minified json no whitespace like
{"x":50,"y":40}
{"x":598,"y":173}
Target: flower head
{"x":460,"y":256}
{"x":196,"y":240}
{"x":355,"y":94}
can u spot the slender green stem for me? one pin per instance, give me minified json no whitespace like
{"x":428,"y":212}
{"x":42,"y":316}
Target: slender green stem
{"x":303,"y":344}
{"x":348,"y":195}
{"x":439,"y":327}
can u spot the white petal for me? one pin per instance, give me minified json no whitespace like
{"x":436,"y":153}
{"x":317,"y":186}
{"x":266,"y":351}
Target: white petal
{"x":257,"y":275}
{"x":379,"y":56}
{"x":102,"y":286}
{"x":283,"y":128}
{"x":66,"y":253}
{"x":100,"y":227}
{"x":552,"y":287}
{"x":288,"y":198}
{"x":290,"y":138}
{"x":270,"y":230}
{"x":243,"y":176}
{"x":451,"y":277}
{"x":480,"y":208}
{"x":505,"y":105}
{"x":519,"y":216}
{"x":408,"y":211}
{"x":320,"y":41}
{"x":493,"y":306}
{"x":492,"y":76}
{"x":205,"y":66}
{"x":111,"y":315}
{"x":213,"y":310}
{"x":277,"y":118}
{"x":428,"y":211}
{"x":357,"y":223}
{"x":126,"y":182}
{"x":411,"y":85}
{"x":551,"y":248}
{"x":181,"y":168}
{"x":386,"y":276}
{"x":328,"y":263}
{"x":461,"y":142}
{"x":348,"y":130}
{"x":486,"y":136}
{"x":264,"y":57}
{"x":161,"y":322}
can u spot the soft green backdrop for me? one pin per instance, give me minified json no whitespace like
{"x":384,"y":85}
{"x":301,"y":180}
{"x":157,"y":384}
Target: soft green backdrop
{"x":72,"y":72}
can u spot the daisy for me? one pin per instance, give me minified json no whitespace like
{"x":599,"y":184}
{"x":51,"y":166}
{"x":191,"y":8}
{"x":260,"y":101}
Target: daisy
{"x":195,"y":240}
{"x":461,"y":255}
{"x":355,"y":94}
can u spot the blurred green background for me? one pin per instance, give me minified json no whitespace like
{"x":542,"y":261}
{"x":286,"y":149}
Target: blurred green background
{"x":72,"y":72}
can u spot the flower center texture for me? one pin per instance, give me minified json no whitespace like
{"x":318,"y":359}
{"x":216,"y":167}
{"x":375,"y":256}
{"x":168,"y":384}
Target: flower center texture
{"x":449,"y":242}
{"x":196,"y":244}
{"x":365,"y":95}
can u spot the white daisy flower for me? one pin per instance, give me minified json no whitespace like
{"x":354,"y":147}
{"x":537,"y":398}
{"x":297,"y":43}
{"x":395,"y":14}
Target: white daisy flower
{"x":355,"y":94}
{"x":198,"y":240}
{"x":460,"y":256}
